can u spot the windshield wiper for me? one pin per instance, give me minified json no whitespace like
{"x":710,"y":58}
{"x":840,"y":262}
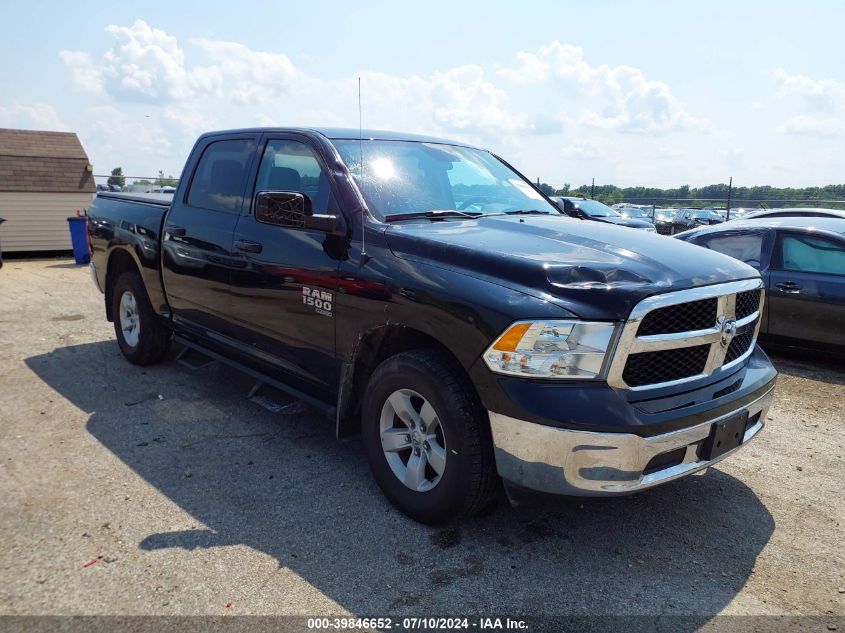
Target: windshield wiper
{"x":432,"y":215}
{"x":526,"y":212}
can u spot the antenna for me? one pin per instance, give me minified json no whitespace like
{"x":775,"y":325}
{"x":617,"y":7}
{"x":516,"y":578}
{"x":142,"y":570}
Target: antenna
{"x":364,"y":257}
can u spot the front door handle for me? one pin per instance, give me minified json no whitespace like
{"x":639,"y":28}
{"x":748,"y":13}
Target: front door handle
{"x":788,"y":286}
{"x":175,"y":231}
{"x":247,"y":246}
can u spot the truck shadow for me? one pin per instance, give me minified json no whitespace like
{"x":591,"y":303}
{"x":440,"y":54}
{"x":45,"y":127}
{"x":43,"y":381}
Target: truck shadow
{"x":282,"y":485}
{"x":809,"y":364}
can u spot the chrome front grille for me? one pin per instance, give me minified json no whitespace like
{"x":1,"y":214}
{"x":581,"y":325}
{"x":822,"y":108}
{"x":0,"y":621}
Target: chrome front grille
{"x":682,"y":317}
{"x":685,"y":335}
{"x":739,"y":346}
{"x":747,"y":303}
{"x":665,"y":365}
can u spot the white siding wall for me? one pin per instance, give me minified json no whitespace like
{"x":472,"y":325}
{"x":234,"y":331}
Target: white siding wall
{"x":38,"y":221}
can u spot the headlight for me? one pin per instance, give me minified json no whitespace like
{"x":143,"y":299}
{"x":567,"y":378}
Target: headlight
{"x":551,"y":349}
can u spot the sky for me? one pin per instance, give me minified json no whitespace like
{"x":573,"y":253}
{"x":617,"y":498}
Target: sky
{"x":630,"y":93}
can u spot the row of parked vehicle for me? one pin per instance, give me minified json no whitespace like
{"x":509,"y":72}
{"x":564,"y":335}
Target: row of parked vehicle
{"x":800,"y":253}
{"x":663,"y":221}
{"x":801,"y":259}
{"x":669,"y":221}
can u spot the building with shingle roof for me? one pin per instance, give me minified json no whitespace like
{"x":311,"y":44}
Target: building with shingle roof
{"x":44,"y":178}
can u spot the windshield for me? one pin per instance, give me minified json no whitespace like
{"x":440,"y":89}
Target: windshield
{"x":664,"y":215}
{"x":411,"y":177}
{"x":596,"y":209}
{"x":706,"y":214}
{"x":634,"y":212}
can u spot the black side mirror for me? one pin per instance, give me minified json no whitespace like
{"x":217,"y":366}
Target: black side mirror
{"x":293,"y":209}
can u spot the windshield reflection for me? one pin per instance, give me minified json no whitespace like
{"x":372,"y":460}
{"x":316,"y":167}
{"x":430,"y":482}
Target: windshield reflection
{"x":405,"y":178}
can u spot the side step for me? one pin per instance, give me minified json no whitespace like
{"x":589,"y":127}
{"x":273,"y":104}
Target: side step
{"x":328,"y":410}
{"x":193,"y":359}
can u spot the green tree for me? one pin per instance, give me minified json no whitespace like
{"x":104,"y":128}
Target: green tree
{"x":715,"y":195}
{"x":169,"y":181}
{"x":117,"y":178}
{"x":546,"y":189}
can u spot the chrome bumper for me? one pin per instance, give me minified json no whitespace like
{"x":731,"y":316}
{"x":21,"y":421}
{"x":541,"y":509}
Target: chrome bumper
{"x":582,"y":463}
{"x":92,"y":269}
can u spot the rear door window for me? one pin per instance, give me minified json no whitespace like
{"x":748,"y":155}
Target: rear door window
{"x":812,"y":255}
{"x":220,"y":176}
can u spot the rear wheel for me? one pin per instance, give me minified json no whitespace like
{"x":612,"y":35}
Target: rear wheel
{"x":427,"y":438}
{"x":141,"y":335}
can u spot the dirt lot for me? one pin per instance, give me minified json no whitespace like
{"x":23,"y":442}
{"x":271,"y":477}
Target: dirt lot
{"x":162,"y":490}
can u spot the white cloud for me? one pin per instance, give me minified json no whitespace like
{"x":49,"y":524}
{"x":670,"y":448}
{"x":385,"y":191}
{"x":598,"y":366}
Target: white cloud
{"x":818,"y":126}
{"x":114,"y":137}
{"x":144,"y":64}
{"x":191,"y":121}
{"x":36,"y":116}
{"x":622,"y":98}
{"x":456,"y":101}
{"x":585,"y":150}
{"x":823,"y":95}
{"x":148,"y":65}
{"x":823,"y":105}
{"x":238,"y":73}
{"x":83,"y":71}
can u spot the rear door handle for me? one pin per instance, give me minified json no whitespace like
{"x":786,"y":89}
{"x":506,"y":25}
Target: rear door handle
{"x":788,"y":286}
{"x":175,"y":231}
{"x":246,"y":246}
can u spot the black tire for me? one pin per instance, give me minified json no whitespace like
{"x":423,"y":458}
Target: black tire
{"x":154,"y":337}
{"x":469,"y":483}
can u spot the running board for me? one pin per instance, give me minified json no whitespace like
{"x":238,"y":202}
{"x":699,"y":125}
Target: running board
{"x":184,"y":358}
{"x":326,"y":409}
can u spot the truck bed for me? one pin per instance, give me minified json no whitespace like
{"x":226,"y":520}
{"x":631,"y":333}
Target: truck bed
{"x":131,"y":222}
{"x":159,"y":199}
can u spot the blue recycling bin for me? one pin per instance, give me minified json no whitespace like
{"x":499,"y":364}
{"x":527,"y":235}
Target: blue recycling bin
{"x":79,"y":239}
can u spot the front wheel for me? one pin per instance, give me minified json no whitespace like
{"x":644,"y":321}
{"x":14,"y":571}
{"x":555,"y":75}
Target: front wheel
{"x":142,"y":337}
{"x":427,"y":438}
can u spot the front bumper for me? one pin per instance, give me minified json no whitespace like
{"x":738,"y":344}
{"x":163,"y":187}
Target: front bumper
{"x":584,"y":463}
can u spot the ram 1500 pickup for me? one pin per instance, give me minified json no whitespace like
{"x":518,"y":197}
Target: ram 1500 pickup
{"x":424,"y":293}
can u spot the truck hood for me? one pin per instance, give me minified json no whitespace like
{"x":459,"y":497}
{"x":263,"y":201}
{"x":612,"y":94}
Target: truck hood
{"x":594,"y":270}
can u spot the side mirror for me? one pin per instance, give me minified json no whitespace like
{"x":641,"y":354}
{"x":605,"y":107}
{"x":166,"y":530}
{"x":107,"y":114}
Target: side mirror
{"x":293,"y":209}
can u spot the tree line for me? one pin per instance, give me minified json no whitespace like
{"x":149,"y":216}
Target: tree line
{"x":117,"y":178}
{"x":709,"y":195}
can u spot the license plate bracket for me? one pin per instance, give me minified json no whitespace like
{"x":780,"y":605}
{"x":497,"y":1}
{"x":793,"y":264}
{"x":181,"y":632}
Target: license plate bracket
{"x":724,"y":436}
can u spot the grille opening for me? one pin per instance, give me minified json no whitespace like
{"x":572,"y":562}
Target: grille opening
{"x":729,"y":389}
{"x":753,"y":420}
{"x":683,"y":317}
{"x":647,"y":368}
{"x":747,"y":303}
{"x":739,"y":346}
{"x":665,"y":460}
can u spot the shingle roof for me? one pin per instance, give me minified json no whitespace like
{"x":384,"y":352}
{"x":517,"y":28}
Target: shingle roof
{"x":43,"y":162}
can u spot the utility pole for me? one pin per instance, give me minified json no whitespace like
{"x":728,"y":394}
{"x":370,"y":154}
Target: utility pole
{"x":730,"y":187}
{"x":593,"y":189}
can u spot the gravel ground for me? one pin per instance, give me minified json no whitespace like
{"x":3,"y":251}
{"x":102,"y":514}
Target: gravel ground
{"x":165,"y":491}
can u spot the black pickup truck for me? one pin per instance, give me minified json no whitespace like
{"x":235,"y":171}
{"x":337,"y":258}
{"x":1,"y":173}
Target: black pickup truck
{"x":425,"y":294}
